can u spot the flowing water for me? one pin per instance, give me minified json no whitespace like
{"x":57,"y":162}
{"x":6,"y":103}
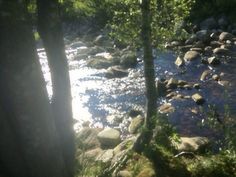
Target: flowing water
{"x":96,"y":98}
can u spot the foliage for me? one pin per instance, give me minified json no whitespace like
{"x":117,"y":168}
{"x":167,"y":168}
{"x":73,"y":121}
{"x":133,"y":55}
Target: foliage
{"x":167,"y":20}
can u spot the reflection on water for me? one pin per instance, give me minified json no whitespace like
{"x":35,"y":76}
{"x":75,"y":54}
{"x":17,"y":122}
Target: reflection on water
{"x":96,"y":97}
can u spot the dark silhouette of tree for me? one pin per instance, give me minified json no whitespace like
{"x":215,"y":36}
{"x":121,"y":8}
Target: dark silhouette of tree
{"x":50,"y":30}
{"x":31,"y":140}
{"x":149,"y":74}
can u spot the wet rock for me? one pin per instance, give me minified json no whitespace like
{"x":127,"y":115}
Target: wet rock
{"x":135,"y":124}
{"x":124,"y":173}
{"x":225,"y":36}
{"x":102,"y":40}
{"x":205,"y":74}
{"x":191,"y":40}
{"x":215,"y":77}
{"x":227,"y":46}
{"x":170,"y":95}
{"x":179,"y":61}
{"x":182,"y":82}
{"x":213,"y":60}
{"x":214,"y":36}
{"x":128,"y":59}
{"x":166,"y":108}
{"x":187,"y":86}
{"x":199,"y":44}
{"x":116,"y":72}
{"x":178,"y":97}
{"x":77,"y":45}
{"x":209,"y":23}
{"x":172,"y":84}
{"x":203,"y":35}
{"x":106,"y":156}
{"x":192,"y":144}
{"x":109,"y":137}
{"x":99,"y":63}
{"x":224,"y":83}
{"x":196,"y":86}
{"x":196,"y":49}
{"x":185,"y":48}
{"x":221,"y":51}
{"x":197,"y":98}
{"x":191,"y":55}
{"x":215,"y":44}
{"x":208,"y":50}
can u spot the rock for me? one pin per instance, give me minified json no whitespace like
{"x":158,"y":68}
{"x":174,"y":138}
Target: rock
{"x":135,"y":124}
{"x":191,"y":40}
{"x":128,"y":59}
{"x":161,"y":88}
{"x":191,"y":55}
{"x":226,"y":36}
{"x":87,"y":138}
{"x":221,"y":51}
{"x":197,"y":98}
{"x":99,"y":63}
{"x":196,"y":49}
{"x":205,"y":74}
{"x":203,"y":35}
{"x":215,"y":77}
{"x":185,"y":48}
{"x":172,"y":84}
{"x":196,"y":86}
{"x":124,"y":173}
{"x":106,"y":156}
{"x":182,"y":82}
{"x":199,"y":44}
{"x":187,"y":86}
{"x":95,"y":50}
{"x":116,"y":72}
{"x":209,"y":23}
{"x":224,"y":83}
{"x":175,"y":43}
{"x":77,"y":45}
{"x":215,"y":44}
{"x":208,"y":50}
{"x":192,"y":144}
{"x":102,"y":40}
{"x":166,"y":108}
{"x":214,"y":36}
{"x":213,"y":60}
{"x":179,"y":62}
{"x":109,"y":137}
{"x":170,"y":95}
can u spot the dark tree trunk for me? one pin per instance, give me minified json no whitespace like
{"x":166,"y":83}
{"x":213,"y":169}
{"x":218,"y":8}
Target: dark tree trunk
{"x":149,"y":74}
{"x":29,"y":145}
{"x":50,"y":30}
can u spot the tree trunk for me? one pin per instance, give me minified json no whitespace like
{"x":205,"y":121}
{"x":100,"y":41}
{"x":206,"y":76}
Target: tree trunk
{"x":149,"y":74}
{"x":50,"y":30}
{"x":29,"y":145}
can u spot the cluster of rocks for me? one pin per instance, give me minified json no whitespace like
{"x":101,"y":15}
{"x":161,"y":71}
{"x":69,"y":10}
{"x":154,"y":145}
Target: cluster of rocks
{"x":102,"y":54}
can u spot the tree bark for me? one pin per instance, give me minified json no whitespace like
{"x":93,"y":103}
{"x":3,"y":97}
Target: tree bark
{"x":29,"y":145}
{"x":149,"y":74}
{"x":50,"y":30}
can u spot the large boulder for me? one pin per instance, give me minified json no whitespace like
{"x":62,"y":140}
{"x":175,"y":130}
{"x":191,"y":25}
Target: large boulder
{"x":135,"y":124}
{"x":226,"y":36}
{"x":191,"y":55}
{"x":109,"y":137}
{"x":192,"y":144}
{"x":116,"y":72}
{"x":203,"y":35}
{"x":128,"y":59}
